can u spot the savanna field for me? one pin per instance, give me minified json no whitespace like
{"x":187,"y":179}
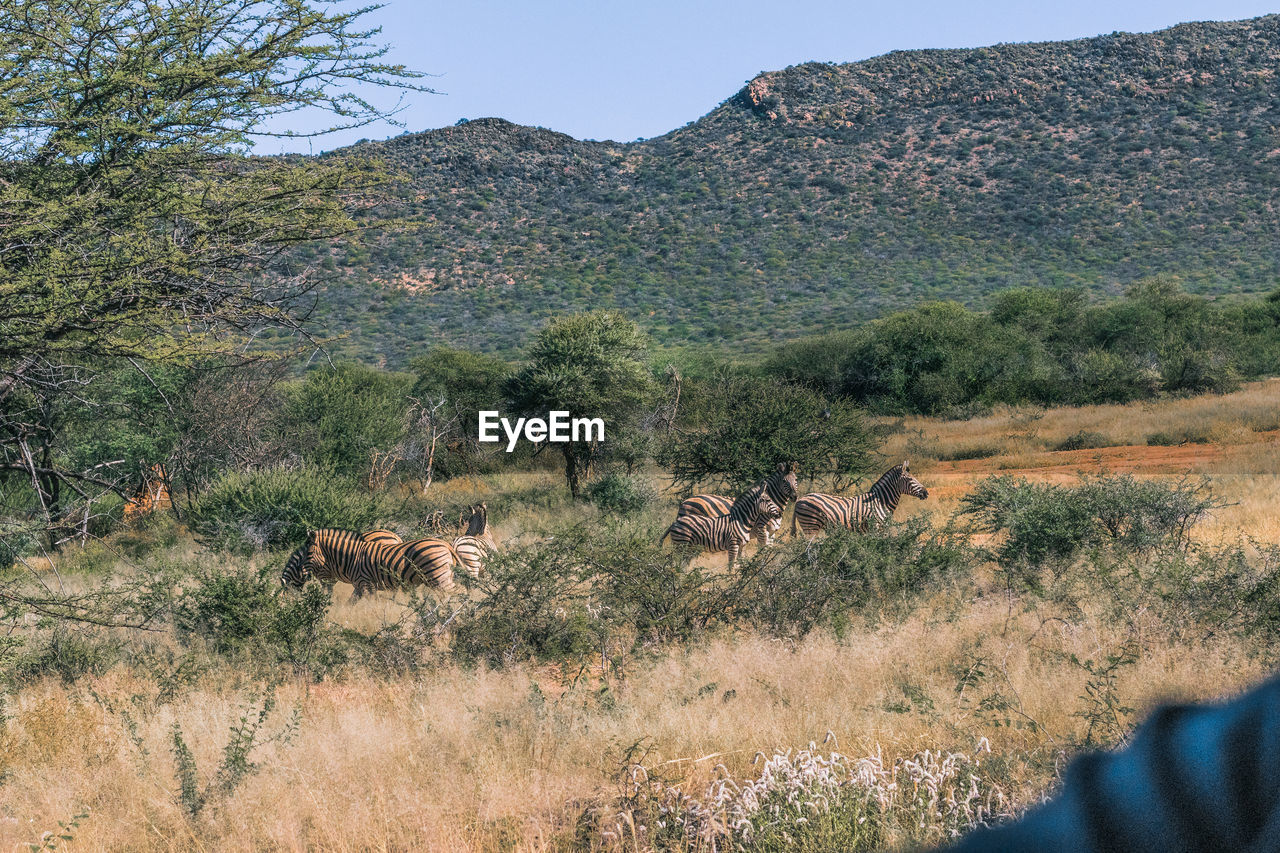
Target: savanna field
{"x":890,"y":688}
{"x":990,"y":337}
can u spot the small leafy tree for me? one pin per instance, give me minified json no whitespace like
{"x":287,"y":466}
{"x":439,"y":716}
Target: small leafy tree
{"x":451,"y":389}
{"x":590,"y":365}
{"x":742,"y":426}
{"x":134,"y":228}
{"x":344,"y":415}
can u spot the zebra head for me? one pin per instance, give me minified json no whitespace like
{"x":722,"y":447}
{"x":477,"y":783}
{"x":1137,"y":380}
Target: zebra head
{"x":312,"y":556}
{"x":478,"y":523}
{"x":295,"y":572}
{"x":782,"y":483}
{"x":909,"y":485}
{"x":766,"y":510}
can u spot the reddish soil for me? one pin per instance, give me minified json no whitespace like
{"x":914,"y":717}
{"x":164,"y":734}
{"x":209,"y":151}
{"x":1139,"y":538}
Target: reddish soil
{"x":1066,"y":465}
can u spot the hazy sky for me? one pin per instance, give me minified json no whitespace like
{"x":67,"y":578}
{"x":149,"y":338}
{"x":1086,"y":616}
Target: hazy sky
{"x":608,"y":70}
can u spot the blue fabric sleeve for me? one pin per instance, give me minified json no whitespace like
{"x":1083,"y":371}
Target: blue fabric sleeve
{"x":1194,"y":778}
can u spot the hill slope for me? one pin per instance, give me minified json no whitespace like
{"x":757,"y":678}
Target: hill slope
{"x":822,"y":195}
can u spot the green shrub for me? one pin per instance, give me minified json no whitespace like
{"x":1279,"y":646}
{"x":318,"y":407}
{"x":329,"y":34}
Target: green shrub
{"x":17,"y":540}
{"x":241,"y":613}
{"x":1174,"y":438}
{"x":1188,"y":370}
{"x":734,"y":430}
{"x":534,"y":605}
{"x":229,"y":610}
{"x":1084,"y":440}
{"x":275,"y":508}
{"x":607,"y":589}
{"x":616,"y":492}
{"x":802,"y":585}
{"x":68,"y":653}
{"x":340,"y":416}
{"x":973,"y":451}
{"x":1050,"y":524}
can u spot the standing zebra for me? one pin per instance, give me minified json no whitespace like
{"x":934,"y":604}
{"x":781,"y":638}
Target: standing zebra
{"x":727,"y":532}
{"x":781,"y":487}
{"x":296,"y":572}
{"x":476,"y":544}
{"x":816,"y":511}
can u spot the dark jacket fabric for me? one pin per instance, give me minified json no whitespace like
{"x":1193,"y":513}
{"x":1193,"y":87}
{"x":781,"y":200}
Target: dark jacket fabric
{"x":1194,"y":778}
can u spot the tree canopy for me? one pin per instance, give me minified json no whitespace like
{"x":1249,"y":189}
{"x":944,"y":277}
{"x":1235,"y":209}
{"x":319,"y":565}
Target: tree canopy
{"x":590,"y":365}
{"x":134,"y":225}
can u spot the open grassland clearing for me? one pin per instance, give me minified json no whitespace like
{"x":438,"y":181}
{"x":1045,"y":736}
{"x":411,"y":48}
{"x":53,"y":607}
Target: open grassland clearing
{"x":1233,"y":439}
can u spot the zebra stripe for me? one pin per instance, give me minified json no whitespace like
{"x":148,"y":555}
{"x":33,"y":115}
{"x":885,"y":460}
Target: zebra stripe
{"x":429,"y":561}
{"x":727,"y":532}
{"x":781,"y":487}
{"x":296,"y":572}
{"x":472,"y":552}
{"x":340,"y":555}
{"x":816,"y":511}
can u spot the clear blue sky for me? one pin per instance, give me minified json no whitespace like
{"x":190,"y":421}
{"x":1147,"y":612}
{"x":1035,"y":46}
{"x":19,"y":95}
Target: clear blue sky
{"x":608,"y":70}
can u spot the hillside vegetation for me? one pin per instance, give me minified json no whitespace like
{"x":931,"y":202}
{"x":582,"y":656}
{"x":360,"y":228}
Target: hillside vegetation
{"x":823,"y":195}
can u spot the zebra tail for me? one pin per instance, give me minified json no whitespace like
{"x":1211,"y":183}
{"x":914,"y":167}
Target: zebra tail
{"x":793,"y":524}
{"x":664,"y":536}
{"x":453,"y":552}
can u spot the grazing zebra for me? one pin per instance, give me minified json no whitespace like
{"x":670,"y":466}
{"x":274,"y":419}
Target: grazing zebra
{"x":780,"y":486}
{"x":816,"y":511}
{"x":296,"y":572}
{"x":476,"y":544}
{"x":725,"y":532}
{"x":339,"y":555}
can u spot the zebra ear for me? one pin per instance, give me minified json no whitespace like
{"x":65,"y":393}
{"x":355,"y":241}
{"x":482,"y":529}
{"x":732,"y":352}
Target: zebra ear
{"x":905,"y":463}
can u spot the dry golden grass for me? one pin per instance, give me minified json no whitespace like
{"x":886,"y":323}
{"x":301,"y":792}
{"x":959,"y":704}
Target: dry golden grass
{"x":461,"y":759}
{"x":487,"y":760}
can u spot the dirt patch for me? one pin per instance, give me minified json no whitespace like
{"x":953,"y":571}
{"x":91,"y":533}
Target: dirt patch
{"x":1068,"y":465}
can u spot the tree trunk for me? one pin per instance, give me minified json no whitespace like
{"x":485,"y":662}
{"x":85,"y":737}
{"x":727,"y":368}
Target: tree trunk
{"x":571,"y":470}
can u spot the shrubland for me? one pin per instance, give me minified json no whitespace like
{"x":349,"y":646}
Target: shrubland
{"x":596,"y":691}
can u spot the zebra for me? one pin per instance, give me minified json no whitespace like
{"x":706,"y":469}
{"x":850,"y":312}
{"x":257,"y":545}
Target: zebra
{"x":339,"y":555}
{"x":816,"y":511}
{"x":727,"y":532}
{"x":296,"y":572}
{"x":431,"y":562}
{"x":780,"y":486}
{"x":476,"y":543}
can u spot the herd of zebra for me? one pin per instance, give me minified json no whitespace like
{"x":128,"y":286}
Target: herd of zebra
{"x":381,"y":560}
{"x":718,"y":523}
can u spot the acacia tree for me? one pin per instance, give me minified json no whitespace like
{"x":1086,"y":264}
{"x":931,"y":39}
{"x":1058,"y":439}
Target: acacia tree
{"x":590,"y":365}
{"x":133,"y":223}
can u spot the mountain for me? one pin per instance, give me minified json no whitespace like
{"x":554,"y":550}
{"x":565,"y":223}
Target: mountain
{"x":823,"y":195}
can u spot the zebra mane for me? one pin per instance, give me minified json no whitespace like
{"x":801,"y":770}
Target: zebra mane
{"x":888,"y":479}
{"x":478,"y":524}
